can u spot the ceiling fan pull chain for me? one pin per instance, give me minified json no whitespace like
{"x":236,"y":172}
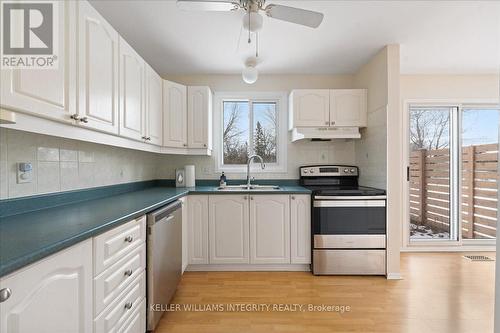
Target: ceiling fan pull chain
{"x":256,"y":45}
{"x":249,"y":30}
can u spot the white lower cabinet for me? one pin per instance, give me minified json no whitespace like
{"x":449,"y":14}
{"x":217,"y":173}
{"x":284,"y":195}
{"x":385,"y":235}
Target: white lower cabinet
{"x":185,"y":250}
{"x":52,"y":295}
{"x":228,"y":226}
{"x":270,"y":229}
{"x":198,"y":229}
{"x":300,"y":229}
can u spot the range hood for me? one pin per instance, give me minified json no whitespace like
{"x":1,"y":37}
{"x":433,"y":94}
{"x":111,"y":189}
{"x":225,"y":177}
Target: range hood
{"x":325,"y":133}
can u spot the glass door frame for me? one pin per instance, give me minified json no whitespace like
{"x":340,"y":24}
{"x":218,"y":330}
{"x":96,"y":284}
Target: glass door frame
{"x":456,"y":241}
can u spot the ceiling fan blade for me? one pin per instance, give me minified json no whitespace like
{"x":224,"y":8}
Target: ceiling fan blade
{"x":208,"y":5}
{"x":295,"y":15}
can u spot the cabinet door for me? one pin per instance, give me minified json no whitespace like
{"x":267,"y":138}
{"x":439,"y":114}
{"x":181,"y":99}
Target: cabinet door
{"x":198,"y":229}
{"x":228,"y":229}
{"x":52,"y":295}
{"x":98,"y":70}
{"x":154,"y":108}
{"x":300,"y":229}
{"x":348,"y":107}
{"x":49,"y":93}
{"x":174,"y":114}
{"x":185,"y":241}
{"x":269,"y":229}
{"x":132,"y":93}
{"x":199,"y":117}
{"x":310,"y":107}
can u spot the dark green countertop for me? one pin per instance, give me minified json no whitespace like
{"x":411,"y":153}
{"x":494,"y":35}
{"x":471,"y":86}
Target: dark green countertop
{"x":33,"y":235}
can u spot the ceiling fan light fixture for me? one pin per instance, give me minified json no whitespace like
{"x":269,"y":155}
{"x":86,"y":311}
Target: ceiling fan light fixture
{"x":253,"y":21}
{"x":250,"y":73}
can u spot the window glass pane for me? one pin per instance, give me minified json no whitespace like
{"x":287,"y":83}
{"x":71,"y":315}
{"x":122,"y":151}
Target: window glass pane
{"x":265,"y":131}
{"x":430,"y":173}
{"x":236,"y":132}
{"x":479,"y":173}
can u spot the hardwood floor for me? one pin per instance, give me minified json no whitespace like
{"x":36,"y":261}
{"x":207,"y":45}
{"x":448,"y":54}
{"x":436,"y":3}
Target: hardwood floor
{"x":440,"y":292}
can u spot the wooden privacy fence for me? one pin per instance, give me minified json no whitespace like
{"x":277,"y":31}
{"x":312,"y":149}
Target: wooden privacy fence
{"x":430,"y":190}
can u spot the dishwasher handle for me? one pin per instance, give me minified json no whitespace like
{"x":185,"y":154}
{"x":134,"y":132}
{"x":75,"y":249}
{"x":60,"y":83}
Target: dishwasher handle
{"x":164,"y":214}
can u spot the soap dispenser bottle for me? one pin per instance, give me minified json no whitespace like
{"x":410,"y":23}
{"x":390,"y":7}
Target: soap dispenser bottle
{"x":222,"y":181}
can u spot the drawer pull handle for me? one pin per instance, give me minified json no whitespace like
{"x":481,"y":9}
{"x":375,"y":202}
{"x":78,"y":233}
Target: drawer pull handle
{"x":5,"y":294}
{"x":128,"y":272}
{"x":128,"y":305}
{"x":129,"y":239}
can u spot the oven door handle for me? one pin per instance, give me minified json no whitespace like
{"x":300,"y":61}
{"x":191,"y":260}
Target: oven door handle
{"x":348,"y":203}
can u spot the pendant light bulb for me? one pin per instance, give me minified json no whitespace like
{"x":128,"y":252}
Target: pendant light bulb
{"x":250,"y":73}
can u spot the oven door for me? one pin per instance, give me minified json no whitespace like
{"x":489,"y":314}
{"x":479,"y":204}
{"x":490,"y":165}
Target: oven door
{"x":349,"y":217}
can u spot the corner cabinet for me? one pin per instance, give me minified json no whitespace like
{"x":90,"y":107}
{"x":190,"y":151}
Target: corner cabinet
{"x":198,"y":229}
{"x":199,"y":115}
{"x":47,"y":93}
{"x":98,"y":71}
{"x":228,"y":226}
{"x":154,"y":108}
{"x":174,"y":115}
{"x":52,"y":295}
{"x":132,"y":92}
{"x":328,"y":108}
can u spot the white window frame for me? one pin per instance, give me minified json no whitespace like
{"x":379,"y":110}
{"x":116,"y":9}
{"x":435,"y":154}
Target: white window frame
{"x":282,"y":113}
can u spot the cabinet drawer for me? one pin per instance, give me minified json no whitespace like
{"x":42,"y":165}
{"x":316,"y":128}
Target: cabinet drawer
{"x":137,"y":321}
{"x":116,"y":278}
{"x":124,"y":306}
{"x":112,"y":245}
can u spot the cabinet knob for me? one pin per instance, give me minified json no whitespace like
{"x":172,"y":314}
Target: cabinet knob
{"x":129,"y":239}
{"x":5,"y":294}
{"x":332,"y":123}
{"x":84,"y":120}
{"x":128,"y":305}
{"x":204,"y":145}
{"x":74,"y":116}
{"x":245,"y":197}
{"x":148,"y":138}
{"x":251,"y":198}
{"x":327,"y":123}
{"x":293,"y":197}
{"x":184,"y":144}
{"x":143,"y":137}
{"x":128,"y":272}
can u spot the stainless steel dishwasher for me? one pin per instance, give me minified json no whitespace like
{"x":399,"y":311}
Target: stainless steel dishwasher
{"x":164,"y":259}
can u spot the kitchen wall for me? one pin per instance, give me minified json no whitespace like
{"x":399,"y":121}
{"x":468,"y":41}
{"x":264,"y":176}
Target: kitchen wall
{"x":62,"y":164}
{"x":371,"y":150}
{"x":298,"y":153}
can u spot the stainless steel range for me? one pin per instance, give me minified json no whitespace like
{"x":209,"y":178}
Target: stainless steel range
{"x":348,"y":222}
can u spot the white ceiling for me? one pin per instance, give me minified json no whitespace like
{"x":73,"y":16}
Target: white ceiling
{"x":438,"y":37}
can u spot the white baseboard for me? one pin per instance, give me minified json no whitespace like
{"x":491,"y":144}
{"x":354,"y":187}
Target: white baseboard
{"x":249,"y":268}
{"x":394,"y":276}
{"x":468,"y":248}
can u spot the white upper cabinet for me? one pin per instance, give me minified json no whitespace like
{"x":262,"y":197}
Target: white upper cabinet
{"x":174,"y":115}
{"x":154,"y":107}
{"x":269,"y":229}
{"x":348,"y":107}
{"x":228,"y":229}
{"x":300,"y":229}
{"x":309,"y":108}
{"x":328,"y":108}
{"x":48,"y":93}
{"x":98,"y":70}
{"x":52,"y":295}
{"x":198,"y":229}
{"x":199,"y":117}
{"x":132,"y":93}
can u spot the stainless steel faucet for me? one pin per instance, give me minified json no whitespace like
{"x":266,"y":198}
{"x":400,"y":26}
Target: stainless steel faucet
{"x":250,"y":159}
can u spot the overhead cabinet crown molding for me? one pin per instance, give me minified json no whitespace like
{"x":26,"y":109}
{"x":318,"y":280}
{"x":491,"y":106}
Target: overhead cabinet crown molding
{"x":104,"y":92}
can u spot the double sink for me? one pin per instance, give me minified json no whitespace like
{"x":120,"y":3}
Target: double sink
{"x":252,"y":187}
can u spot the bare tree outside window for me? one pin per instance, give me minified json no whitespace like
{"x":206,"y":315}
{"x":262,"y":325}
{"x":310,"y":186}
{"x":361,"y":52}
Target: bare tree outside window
{"x":429,"y":130}
{"x":243,"y":137}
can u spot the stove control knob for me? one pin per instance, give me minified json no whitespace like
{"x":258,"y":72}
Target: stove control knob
{"x":353,"y":170}
{"x":346,"y":170}
{"x":304,"y":171}
{"x":311,"y":170}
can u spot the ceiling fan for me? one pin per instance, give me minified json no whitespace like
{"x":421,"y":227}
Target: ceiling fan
{"x":285,"y":13}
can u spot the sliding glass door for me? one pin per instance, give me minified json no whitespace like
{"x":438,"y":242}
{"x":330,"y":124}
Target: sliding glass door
{"x":452,"y":174}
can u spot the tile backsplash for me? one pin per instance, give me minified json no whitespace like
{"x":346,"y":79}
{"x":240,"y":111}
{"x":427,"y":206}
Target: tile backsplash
{"x":62,"y":164}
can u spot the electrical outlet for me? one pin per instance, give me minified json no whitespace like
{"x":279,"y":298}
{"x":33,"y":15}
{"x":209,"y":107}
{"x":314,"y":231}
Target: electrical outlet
{"x":24,"y":172}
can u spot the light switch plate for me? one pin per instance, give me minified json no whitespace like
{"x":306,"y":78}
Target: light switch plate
{"x":24,"y":173}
